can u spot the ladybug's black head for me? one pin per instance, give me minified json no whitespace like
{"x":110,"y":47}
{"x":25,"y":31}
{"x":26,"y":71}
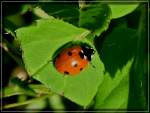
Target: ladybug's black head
{"x":88,"y":52}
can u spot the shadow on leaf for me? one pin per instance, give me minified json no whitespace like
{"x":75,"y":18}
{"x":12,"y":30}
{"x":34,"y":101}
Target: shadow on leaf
{"x":117,"y":48}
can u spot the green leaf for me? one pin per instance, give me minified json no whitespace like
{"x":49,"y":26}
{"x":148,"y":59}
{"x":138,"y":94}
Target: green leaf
{"x":81,"y":88}
{"x":113,"y":92}
{"x":66,"y":11}
{"x":117,"y":54}
{"x":40,"y":43}
{"x":121,"y":9}
{"x":95,"y":17}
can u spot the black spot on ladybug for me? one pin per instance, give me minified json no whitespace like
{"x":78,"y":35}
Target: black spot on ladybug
{"x":81,"y":69}
{"x":81,"y":54}
{"x":66,"y":72}
{"x":69,"y":53}
{"x":75,"y":65}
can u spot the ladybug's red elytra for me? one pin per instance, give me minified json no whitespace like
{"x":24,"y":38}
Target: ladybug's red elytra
{"x":74,"y":59}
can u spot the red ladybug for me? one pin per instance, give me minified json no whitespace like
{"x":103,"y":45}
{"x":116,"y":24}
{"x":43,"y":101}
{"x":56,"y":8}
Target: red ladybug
{"x":74,"y":59}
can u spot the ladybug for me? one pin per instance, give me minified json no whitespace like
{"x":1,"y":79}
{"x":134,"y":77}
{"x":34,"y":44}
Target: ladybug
{"x":74,"y":59}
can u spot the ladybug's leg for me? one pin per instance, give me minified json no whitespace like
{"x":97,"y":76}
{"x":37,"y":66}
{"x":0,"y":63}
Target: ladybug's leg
{"x":66,"y":73}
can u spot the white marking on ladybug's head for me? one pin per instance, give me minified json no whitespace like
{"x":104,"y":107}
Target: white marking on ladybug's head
{"x":82,"y":51}
{"x":85,"y":57}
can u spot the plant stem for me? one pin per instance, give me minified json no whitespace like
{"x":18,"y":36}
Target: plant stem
{"x":14,"y":57}
{"x":25,"y":103}
{"x":40,"y":13}
{"x":139,"y":60}
{"x":15,"y":90}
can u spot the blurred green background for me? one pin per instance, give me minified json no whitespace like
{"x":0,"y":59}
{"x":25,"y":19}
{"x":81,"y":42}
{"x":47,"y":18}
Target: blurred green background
{"x":128,"y":32}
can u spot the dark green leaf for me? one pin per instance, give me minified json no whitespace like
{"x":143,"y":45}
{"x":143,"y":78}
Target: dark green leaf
{"x":138,"y":98}
{"x":95,"y":17}
{"x":118,"y":48}
{"x":62,"y":10}
{"x":117,"y":54}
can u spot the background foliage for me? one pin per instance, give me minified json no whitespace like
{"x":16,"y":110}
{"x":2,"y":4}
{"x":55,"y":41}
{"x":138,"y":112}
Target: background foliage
{"x":32,"y":34}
